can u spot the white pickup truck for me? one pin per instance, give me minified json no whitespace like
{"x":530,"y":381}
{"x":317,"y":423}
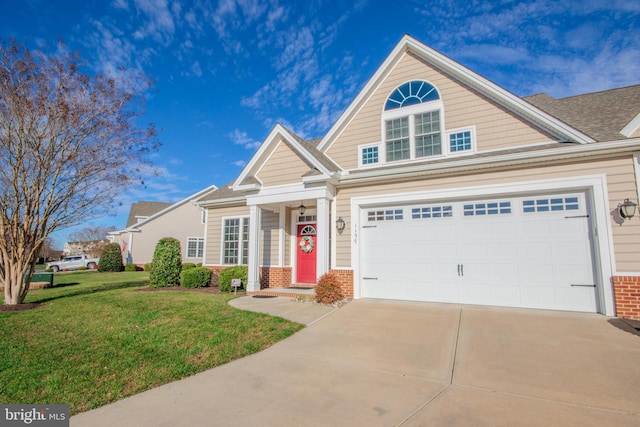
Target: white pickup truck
{"x":73,"y":263}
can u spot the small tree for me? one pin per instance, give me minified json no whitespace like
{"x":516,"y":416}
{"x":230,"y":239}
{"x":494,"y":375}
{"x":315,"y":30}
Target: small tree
{"x":70,"y":142}
{"x":111,"y":258}
{"x":167,"y":263}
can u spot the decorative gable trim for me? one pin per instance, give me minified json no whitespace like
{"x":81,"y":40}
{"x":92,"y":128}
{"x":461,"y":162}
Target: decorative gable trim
{"x":246,"y":181}
{"x":509,"y":101}
{"x":631,"y":127}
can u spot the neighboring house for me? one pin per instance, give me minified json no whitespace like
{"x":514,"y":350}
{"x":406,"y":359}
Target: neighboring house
{"x":151,"y":221}
{"x":92,"y":248}
{"x":452,"y":190}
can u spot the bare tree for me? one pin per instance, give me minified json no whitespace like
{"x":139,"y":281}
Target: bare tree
{"x":92,"y":238}
{"x":91,"y":232}
{"x":69,"y":143}
{"x":47,"y":251}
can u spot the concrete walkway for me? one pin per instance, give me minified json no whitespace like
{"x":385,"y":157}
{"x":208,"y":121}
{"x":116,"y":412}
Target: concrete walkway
{"x":385,"y":363}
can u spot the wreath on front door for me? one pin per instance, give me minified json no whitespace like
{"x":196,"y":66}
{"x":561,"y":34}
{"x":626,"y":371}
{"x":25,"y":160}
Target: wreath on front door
{"x":306,"y":244}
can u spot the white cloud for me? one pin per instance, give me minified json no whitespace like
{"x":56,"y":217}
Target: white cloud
{"x":159,"y":26}
{"x":239,"y":163}
{"x":241,"y":138}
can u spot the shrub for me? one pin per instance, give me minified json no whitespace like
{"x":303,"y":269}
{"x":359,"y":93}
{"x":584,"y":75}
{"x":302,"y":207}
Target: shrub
{"x":238,"y":272}
{"x":188,"y":265}
{"x":328,"y":290}
{"x":167,"y":263}
{"x":130,"y":267}
{"x":111,"y":258}
{"x":196,"y":277}
{"x":148,"y":266}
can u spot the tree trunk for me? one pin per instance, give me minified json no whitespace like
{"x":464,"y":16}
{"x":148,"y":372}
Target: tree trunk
{"x":15,"y":288}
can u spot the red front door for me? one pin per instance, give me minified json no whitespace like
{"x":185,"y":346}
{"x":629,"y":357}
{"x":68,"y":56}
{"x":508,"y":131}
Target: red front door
{"x":306,"y":254}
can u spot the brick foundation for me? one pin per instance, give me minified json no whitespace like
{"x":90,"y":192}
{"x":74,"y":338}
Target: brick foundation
{"x":275,"y":277}
{"x":346,"y":279}
{"x":626,"y":290}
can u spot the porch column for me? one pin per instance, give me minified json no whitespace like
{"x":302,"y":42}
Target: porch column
{"x":322,"y":236}
{"x":253,"y":280}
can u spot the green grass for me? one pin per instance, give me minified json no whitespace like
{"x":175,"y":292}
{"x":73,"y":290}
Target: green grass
{"x":97,"y":339}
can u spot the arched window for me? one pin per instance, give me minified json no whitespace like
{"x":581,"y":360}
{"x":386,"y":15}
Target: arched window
{"x":413,"y":122}
{"x":411,"y":93}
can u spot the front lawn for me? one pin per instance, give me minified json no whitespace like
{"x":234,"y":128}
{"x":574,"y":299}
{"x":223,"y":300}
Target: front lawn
{"x":97,"y":339}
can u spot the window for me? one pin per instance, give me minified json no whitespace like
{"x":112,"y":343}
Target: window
{"x":236,"y":241}
{"x":428,"y":141}
{"x":385,"y":215}
{"x":369,"y":155}
{"x":397,"y":139}
{"x":412,"y":122}
{"x":445,"y":211}
{"x":195,"y":247}
{"x":550,"y":204}
{"x":460,"y":141}
{"x":487,"y":208}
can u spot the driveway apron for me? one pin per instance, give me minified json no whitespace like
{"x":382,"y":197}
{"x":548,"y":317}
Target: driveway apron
{"x":388,"y":363}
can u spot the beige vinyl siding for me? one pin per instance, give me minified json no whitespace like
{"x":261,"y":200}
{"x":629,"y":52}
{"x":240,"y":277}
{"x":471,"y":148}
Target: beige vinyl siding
{"x":636,"y":134}
{"x":269,"y":238}
{"x":495,"y":127}
{"x":180,"y":223}
{"x":282,"y":167}
{"x":620,"y":185}
{"x":213,"y":243}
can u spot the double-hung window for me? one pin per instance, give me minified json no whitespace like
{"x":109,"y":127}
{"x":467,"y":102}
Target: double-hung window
{"x":195,"y":247}
{"x":413,"y":122}
{"x":235,"y":242}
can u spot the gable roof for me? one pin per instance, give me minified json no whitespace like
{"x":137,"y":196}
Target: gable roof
{"x":619,"y":107}
{"x":462,"y":74}
{"x":143,"y":209}
{"x":170,"y":207}
{"x":305,"y":150}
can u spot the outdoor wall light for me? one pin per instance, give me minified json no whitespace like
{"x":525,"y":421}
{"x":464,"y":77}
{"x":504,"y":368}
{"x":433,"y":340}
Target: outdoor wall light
{"x":340,"y":224}
{"x":627,"y":209}
{"x":302,"y":208}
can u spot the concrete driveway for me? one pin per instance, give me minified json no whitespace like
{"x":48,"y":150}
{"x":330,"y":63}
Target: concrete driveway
{"x":385,"y":363}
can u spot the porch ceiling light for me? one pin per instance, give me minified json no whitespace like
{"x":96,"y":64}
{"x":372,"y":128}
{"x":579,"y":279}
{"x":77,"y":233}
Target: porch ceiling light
{"x":340,"y":224}
{"x":627,"y":209}
{"x":302,"y":208}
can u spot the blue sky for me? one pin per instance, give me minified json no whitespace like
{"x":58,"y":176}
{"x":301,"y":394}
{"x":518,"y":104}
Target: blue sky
{"x":226,"y":71}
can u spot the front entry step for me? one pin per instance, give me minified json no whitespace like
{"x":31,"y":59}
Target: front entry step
{"x":293,"y":291}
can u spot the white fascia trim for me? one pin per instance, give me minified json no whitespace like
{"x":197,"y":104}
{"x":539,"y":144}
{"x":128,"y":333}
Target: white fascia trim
{"x":631,"y":127}
{"x":285,"y":134}
{"x":595,"y":184}
{"x":290,"y":193}
{"x":388,"y":63}
{"x":629,"y":144}
{"x":502,"y":96}
{"x":222,"y":202}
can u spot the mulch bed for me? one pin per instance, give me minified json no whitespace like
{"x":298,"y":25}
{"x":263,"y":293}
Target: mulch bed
{"x":20,"y":307}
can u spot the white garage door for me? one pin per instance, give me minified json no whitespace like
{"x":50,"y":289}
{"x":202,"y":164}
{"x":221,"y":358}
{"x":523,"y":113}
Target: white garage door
{"x":531,"y":252}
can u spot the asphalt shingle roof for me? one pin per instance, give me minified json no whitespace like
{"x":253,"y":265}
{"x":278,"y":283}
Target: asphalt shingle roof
{"x":601,"y":115}
{"x":144,"y":209}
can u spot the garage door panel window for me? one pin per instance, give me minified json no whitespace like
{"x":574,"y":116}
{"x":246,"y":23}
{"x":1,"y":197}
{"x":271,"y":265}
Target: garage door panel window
{"x":553,"y":204}
{"x":487,"y":208}
{"x":385,"y":215}
{"x":445,"y":211}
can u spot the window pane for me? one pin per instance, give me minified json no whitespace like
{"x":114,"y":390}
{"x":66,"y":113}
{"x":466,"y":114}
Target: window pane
{"x":397,"y":142}
{"x":369,"y":155}
{"x":428,"y":139}
{"x":460,"y":141}
{"x":231,"y":240}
